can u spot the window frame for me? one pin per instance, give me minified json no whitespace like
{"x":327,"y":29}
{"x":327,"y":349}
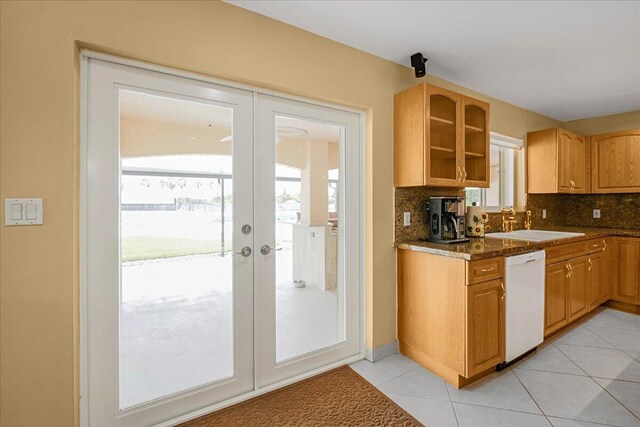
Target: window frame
{"x":515,"y":184}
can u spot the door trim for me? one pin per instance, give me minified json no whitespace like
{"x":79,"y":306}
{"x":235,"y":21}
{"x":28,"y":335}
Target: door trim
{"x":81,"y":313}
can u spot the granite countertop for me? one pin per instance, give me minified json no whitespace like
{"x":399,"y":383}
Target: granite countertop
{"x":480,"y":248}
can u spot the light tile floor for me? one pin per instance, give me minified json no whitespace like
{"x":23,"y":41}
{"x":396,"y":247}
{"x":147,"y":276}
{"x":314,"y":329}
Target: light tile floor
{"x":587,"y":376}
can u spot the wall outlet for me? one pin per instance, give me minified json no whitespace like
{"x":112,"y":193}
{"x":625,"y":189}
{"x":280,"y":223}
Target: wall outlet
{"x":407,"y":219}
{"x":544,"y":214}
{"x":596,"y":213}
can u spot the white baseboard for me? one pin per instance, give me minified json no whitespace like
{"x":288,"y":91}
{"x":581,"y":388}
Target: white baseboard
{"x":375,"y":354}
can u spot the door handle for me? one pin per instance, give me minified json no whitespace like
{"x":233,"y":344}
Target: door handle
{"x":460,"y":172}
{"x":266,"y":249}
{"x":465,"y":175}
{"x":590,"y":264}
{"x":245,"y":252}
{"x":503,"y":291}
{"x":604,"y":245}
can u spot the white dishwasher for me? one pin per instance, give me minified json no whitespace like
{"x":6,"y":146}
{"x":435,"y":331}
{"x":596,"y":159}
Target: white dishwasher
{"x":524,"y":304}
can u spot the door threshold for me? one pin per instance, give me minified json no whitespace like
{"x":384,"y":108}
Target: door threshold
{"x":257,"y":392}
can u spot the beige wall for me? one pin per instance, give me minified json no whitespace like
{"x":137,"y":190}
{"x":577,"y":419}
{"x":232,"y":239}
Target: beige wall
{"x":39,"y":121}
{"x":605,"y":124}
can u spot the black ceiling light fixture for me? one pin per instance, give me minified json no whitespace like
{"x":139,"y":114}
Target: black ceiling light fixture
{"x":419,"y":63}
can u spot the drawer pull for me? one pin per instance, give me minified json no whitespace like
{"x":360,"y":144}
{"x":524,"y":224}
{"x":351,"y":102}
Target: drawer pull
{"x":486,"y":270}
{"x":604,"y":245}
{"x":503,"y":291}
{"x":590,"y":264}
{"x":595,"y":245}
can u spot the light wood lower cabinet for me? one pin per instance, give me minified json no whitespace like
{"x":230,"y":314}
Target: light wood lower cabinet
{"x":626,"y":270}
{"x":451,"y":316}
{"x":598,"y":279}
{"x":555,"y":297}
{"x":576,"y":285}
{"x":485,"y":326}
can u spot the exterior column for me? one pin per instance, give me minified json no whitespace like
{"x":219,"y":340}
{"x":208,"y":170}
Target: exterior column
{"x":314,"y":194}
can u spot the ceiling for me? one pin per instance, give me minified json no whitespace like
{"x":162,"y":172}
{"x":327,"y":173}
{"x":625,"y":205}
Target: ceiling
{"x":564,"y":59}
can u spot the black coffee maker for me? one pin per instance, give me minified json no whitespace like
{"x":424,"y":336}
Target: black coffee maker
{"x":446,"y":220}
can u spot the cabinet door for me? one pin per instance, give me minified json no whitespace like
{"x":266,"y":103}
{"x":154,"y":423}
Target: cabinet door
{"x":578,"y":288}
{"x":555,"y":297}
{"x":475,"y":118}
{"x":626,"y":285}
{"x":597,"y":279}
{"x":485,"y":326}
{"x":572,"y":166}
{"x":615,"y":162}
{"x":444,"y":159}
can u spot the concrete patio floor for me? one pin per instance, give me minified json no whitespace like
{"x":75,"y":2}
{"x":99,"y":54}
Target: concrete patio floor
{"x":176,"y":323}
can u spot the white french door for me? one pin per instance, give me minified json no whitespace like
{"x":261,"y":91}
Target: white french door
{"x":313,"y":326}
{"x":222,"y":243}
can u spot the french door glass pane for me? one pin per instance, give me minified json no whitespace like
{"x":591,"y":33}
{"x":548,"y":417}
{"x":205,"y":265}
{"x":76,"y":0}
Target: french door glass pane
{"x":309,"y":292}
{"x":176,"y":204}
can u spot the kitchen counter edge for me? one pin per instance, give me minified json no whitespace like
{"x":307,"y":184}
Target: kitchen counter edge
{"x":481,"y":248}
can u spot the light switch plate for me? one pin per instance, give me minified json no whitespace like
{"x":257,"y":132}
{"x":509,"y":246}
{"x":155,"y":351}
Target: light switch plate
{"x":407,"y":219}
{"x":544,"y":214}
{"x":22,"y":211}
{"x":596,"y":213}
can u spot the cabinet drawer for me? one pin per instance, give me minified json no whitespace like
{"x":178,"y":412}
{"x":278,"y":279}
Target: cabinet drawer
{"x":597,"y":245}
{"x":564,"y":252}
{"x":483,"y":270}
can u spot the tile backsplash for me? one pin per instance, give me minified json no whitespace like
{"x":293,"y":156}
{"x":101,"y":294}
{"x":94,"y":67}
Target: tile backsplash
{"x":617,"y":210}
{"x":414,"y":200}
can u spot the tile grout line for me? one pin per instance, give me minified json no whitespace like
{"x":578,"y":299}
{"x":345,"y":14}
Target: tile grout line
{"x":614,"y":398}
{"x":542,"y":414}
{"x":580,"y":421}
{"x":529,"y":393}
{"x":571,"y":360}
{"x":592,"y":378}
{"x":620,"y":318}
{"x":616,"y":379}
{"x":453,"y":408}
{"x":603,"y":338}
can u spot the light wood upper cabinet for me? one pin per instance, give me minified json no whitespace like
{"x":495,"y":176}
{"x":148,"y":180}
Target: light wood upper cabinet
{"x":626,"y":270}
{"x":475,"y":118}
{"x":615,"y":162}
{"x":556,"y":162}
{"x":441,"y":138}
{"x":485,"y":326}
{"x":443,"y":150}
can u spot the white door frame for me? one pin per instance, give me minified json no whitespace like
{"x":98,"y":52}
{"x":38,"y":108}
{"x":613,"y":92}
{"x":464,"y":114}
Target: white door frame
{"x":85,"y":56}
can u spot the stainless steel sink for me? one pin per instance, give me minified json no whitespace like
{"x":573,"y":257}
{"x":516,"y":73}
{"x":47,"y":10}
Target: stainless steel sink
{"x":534,"y":235}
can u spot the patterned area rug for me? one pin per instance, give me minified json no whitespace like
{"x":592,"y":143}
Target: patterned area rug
{"x":339,"y":397}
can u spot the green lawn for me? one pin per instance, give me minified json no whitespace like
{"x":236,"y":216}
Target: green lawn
{"x":141,"y":248}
